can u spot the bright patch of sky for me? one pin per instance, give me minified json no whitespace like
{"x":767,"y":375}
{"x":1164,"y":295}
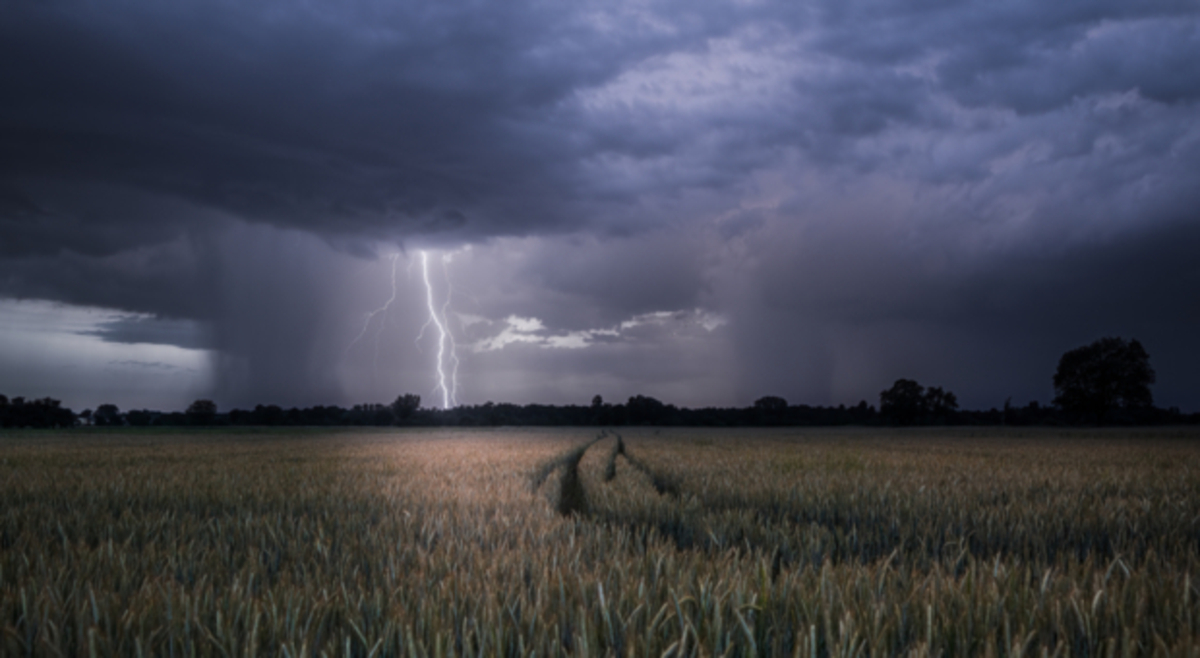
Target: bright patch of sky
{"x":49,"y":349}
{"x":534,"y":332}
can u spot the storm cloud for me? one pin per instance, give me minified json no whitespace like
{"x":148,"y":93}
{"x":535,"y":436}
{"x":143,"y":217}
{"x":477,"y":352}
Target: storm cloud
{"x":705,"y":202}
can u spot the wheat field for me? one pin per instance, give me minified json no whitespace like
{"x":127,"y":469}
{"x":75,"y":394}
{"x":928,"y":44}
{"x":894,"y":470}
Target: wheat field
{"x":576,"y":542}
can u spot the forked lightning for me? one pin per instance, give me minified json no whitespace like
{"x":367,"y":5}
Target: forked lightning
{"x":445,"y":356}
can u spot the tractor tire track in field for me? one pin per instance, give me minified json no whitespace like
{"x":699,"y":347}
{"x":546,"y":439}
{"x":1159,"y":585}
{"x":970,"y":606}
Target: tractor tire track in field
{"x":572,"y":496}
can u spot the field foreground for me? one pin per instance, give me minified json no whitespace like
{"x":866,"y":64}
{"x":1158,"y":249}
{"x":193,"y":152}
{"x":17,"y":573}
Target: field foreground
{"x":512,"y":542}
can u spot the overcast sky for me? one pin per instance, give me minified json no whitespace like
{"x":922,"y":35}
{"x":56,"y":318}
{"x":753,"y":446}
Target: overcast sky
{"x":705,"y":202}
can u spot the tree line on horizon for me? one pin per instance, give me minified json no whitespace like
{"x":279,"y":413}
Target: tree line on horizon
{"x":1106,"y":382}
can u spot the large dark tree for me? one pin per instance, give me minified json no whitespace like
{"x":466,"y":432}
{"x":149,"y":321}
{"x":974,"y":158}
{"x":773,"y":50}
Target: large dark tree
{"x":770,"y":410}
{"x":46,"y":412}
{"x":942,"y":405}
{"x":1097,"y":379}
{"x":909,"y":403}
{"x":201,"y":412}
{"x":106,"y":415}
{"x":904,"y":403}
{"x":645,"y":410}
{"x":405,"y":406}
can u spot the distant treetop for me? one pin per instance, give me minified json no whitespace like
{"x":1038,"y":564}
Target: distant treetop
{"x":1108,"y":375}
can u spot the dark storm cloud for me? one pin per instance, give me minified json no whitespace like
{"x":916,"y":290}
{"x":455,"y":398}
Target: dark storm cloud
{"x":395,"y":119}
{"x":865,"y":190}
{"x":382,"y":119}
{"x":87,"y":219}
{"x":168,"y":279}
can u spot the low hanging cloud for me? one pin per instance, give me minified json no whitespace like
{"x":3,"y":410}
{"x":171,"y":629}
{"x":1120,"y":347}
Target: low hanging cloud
{"x":145,"y":329}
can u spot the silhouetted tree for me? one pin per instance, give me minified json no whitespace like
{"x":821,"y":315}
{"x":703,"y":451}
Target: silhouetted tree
{"x":107,"y":415}
{"x":46,"y":412}
{"x":645,"y":410}
{"x":904,"y":403}
{"x":771,"y":403}
{"x":173,"y":419}
{"x":909,"y":403}
{"x":362,"y":414}
{"x":940,"y":405}
{"x":1107,"y":375}
{"x":405,"y":406}
{"x":271,"y":414}
{"x":201,"y":412}
{"x":769,"y":410}
{"x":862,"y":412}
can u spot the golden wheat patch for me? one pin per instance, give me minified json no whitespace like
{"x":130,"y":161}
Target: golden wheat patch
{"x":684,"y":542}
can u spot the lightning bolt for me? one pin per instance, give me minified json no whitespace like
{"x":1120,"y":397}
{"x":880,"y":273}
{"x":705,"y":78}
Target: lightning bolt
{"x":371,"y":316}
{"x":448,"y":389}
